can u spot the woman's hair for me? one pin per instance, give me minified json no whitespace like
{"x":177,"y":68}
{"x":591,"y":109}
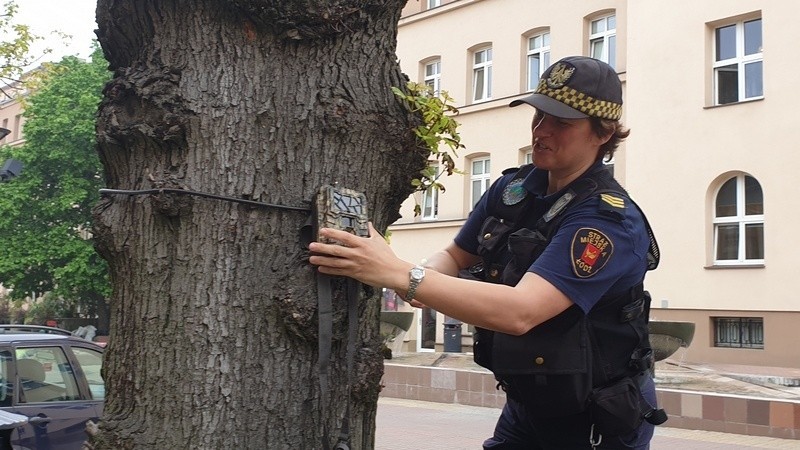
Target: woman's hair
{"x":601,"y":127}
{"x":604,"y":127}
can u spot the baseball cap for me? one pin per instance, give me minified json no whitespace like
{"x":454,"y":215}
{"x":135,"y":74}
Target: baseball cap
{"x":577,"y":87}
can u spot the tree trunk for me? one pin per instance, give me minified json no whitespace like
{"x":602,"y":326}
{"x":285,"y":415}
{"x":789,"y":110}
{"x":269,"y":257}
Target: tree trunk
{"x":213,"y":339}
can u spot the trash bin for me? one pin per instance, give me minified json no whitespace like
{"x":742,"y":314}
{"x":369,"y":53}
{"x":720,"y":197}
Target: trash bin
{"x":452,"y":335}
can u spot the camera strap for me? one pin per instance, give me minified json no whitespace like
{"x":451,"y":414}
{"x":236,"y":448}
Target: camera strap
{"x":343,"y":209}
{"x":325,"y":311}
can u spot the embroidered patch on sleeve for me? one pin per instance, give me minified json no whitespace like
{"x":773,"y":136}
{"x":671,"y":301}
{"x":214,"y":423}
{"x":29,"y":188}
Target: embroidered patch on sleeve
{"x":591,"y":250}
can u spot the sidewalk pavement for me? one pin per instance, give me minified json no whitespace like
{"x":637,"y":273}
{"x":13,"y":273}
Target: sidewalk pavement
{"x":416,"y":425}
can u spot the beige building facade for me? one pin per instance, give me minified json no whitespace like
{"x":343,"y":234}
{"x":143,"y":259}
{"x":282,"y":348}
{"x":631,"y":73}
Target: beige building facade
{"x":11,"y":118}
{"x":708,"y":91}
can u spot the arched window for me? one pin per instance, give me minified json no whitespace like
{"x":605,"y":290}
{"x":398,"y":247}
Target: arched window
{"x":739,"y":222}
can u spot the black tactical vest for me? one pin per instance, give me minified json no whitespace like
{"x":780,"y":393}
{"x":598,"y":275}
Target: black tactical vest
{"x":553,"y":368}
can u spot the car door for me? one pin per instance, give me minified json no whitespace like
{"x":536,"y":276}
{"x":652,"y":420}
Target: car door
{"x":49,"y":392}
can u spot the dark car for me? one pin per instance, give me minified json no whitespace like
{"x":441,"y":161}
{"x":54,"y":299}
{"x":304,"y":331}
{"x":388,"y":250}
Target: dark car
{"x":53,"y":379}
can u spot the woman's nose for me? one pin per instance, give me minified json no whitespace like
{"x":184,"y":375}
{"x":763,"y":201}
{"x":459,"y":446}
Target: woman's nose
{"x":541,"y":128}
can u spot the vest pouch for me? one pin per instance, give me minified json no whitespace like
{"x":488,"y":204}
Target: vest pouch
{"x":525,"y":246}
{"x":616,"y":409}
{"x":482,"y":347}
{"x":547,"y":369}
{"x":492,"y":236}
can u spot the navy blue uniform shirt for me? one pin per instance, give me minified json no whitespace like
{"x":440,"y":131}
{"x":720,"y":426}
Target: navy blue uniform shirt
{"x":597,"y":249}
{"x":592,"y":253}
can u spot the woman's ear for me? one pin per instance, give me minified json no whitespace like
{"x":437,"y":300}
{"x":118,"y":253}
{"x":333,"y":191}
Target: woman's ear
{"x":601,"y":140}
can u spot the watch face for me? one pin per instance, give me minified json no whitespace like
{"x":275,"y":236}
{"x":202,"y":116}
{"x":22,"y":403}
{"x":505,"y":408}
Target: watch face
{"x":417,"y":273}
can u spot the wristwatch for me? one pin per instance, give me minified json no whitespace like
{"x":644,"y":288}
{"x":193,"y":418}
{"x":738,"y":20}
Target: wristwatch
{"x":415,"y":276}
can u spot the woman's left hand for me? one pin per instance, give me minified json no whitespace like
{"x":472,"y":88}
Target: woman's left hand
{"x":368,"y":260}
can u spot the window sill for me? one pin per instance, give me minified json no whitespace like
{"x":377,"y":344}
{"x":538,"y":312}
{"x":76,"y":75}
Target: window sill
{"x":749,"y":100}
{"x":735,"y":266}
{"x":739,"y":347}
{"x":429,"y":223}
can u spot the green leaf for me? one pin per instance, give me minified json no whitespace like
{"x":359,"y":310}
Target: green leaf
{"x":45,"y":213}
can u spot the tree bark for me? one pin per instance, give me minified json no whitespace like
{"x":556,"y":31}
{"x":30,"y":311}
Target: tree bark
{"x":213,"y":339}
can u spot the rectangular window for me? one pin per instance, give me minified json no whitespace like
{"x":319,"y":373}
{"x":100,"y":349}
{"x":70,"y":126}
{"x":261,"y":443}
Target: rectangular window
{"x":528,"y":159}
{"x":603,"y":39}
{"x":426,"y":341}
{"x":738,"y":62}
{"x":17,"y":128}
{"x":538,"y":58}
{"x":727,"y":242}
{"x":433,"y":76}
{"x":430,"y":200}
{"x":434,"y":3}
{"x":739,"y":332}
{"x":479,"y":178}
{"x":482,"y":75}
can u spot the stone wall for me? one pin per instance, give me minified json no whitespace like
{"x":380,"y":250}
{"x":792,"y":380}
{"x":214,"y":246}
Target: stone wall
{"x":686,"y":409}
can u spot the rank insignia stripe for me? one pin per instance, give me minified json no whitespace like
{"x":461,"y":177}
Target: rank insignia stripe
{"x":590,"y":251}
{"x":616,"y":202}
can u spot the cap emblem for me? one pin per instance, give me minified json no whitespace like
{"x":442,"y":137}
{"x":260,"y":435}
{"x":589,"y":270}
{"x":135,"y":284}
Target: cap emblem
{"x":559,"y":76}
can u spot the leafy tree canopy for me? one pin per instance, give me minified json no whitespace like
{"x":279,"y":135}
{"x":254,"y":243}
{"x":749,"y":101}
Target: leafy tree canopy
{"x":15,"y":45}
{"x":45,"y":213}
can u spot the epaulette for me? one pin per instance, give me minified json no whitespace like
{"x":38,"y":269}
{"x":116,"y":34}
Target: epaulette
{"x":612,"y":203}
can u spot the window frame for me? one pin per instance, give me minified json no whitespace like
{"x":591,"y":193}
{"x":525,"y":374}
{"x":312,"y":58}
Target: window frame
{"x":484,"y":67}
{"x":484,"y":178}
{"x":431,"y":194}
{"x":608,"y":37}
{"x":543,"y":54}
{"x":741,"y":219}
{"x":434,"y":80}
{"x":7,"y":380}
{"x":738,"y":325}
{"x":62,"y":373}
{"x":527,"y":157}
{"x":96,"y":391}
{"x":740,"y":60}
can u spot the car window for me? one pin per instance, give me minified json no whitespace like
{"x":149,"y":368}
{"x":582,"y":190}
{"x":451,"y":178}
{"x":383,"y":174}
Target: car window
{"x":91,"y":362}
{"x":6,"y":382}
{"x":45,"y":375}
